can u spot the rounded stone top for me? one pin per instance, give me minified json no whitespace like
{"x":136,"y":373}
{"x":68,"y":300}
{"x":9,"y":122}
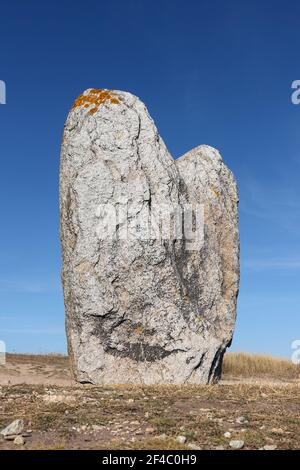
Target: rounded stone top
{"x":92,"y":98}
{"x":202,"y":151}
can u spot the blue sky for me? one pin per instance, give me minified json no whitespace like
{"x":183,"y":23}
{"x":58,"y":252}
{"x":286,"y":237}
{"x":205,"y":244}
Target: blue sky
{"x":211,"y":72}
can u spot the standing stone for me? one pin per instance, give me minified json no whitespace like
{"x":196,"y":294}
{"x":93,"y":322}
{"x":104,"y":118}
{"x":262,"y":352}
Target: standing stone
{"x":150,"y":248}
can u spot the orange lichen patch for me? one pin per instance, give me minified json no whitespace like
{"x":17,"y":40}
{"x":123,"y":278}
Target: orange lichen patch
{"x":214,"y":189}
{"x":94,"y":98}
{"x":138,"y":330}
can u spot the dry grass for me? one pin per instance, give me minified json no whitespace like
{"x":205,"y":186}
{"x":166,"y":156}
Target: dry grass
{"x":124,"y":416}
{"x":38,"y":359}
{"x":257,"y":365}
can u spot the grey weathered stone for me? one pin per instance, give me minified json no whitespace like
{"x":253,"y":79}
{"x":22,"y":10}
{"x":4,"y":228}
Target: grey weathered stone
{"x":236,"y":444}
{"x":19,"y":441}
{"x":181,"y":439}
{"x":14,"y":428}
{"x":241,"y":420}
{"x":140,"y":308}
{"x":270,"y":447}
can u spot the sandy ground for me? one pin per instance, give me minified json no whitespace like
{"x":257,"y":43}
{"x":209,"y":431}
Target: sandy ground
{"x":36,"y":370}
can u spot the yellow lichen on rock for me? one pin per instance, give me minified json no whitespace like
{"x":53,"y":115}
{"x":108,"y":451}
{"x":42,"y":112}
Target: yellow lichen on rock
{"x":94,"y":98}
{"x":215,"y":191}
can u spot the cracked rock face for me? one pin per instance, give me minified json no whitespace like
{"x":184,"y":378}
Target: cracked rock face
{"x":150,"y":248}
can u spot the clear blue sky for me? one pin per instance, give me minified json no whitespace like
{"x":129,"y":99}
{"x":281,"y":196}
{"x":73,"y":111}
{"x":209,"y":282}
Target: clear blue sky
{"x":214,"y":72}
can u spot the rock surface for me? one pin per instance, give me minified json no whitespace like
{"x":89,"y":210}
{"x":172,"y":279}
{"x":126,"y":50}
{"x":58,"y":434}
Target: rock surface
{"x":270,"y":447}
{"x":14,"y":428}
{"x":19,"y":441}
{"x":236,"y":444}
{"x":150,"y":248}
{"x":181,"y":439}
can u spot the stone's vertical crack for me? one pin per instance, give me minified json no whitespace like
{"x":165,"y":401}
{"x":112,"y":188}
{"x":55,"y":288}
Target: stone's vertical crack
{"x":215,"y":370}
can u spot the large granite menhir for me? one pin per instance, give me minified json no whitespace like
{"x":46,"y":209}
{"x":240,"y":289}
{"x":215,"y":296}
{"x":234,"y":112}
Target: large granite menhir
{"x":150,"y":248}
